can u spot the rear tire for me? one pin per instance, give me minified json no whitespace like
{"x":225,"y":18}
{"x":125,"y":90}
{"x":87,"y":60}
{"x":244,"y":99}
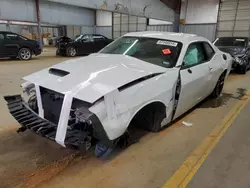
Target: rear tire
{"x":25,"y":54}
{"x":219,"y":87}
{"x":71,"y":51}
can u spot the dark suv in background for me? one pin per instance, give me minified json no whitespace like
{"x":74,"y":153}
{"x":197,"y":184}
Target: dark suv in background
{"x":239,"y":49}
{"x":16,"y":46}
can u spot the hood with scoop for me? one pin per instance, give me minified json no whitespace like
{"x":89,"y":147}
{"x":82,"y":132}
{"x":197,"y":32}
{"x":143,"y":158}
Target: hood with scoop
{"x":91,"y":77}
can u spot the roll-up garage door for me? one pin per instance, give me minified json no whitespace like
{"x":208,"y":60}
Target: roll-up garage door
{"x":124,"y":23}
{"x":234,"y":18}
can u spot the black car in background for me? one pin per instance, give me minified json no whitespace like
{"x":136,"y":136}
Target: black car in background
{"x":81,"y":44}
{"x":17,"y":46}
{"x":239,"y":49}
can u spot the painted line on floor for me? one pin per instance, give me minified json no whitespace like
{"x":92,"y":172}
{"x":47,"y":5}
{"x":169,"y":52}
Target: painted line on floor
{"x":188,"y":169}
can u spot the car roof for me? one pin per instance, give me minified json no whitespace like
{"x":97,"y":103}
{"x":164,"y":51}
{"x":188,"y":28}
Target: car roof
{"x":179,"y":37}
{"x":233,"y":37}
{"x":246,"y":38}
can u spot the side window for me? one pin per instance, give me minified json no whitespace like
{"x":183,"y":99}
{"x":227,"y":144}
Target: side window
{"x":11,"y":37}
{"x":194,"y":55}
{"x":98,"y":37}
{"x":209,"y":51}
{"x":87,"y":38}
{"x":1,"y":37}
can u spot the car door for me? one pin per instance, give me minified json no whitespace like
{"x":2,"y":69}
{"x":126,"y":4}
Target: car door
{"x":99,"y":42}
{"x":87,"y":44}
{"x":194,"y":75}
{"x":214,"y":65}
{"x":11,"y":44}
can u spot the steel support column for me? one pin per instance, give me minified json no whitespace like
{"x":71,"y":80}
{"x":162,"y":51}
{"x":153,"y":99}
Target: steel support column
{"x":39,"y":23}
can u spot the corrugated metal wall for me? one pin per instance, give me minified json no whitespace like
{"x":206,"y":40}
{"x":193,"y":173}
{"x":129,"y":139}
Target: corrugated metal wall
{"x":3,"y":27}
{"x":18,"y":10}
{"x":204,"y":30}
{"x":145,"y":8}
{"x":104,"y":30}
{"x":87,"y":29}
{"x":168,"y":28}
{"x":123,"y":23}
{"x":61,"y":14}
{"x":234,"y":18}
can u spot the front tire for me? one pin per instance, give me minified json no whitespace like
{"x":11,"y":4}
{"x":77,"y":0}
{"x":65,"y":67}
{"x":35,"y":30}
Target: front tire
{"x":24,"y":54}
{"x":71,"y":51}
{"x":219,"y":87}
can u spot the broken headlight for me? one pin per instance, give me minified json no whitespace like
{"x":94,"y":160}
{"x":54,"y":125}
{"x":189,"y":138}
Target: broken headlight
{"x":28,"y":88}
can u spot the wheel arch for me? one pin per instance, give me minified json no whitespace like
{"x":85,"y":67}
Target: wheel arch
{"x":71,"y":45}
{"x":25,"y":46}
{"x":159,"y":103}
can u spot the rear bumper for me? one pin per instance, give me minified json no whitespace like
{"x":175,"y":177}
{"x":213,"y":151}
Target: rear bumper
{"x":37,"y":51}
{"x":28,"y":119}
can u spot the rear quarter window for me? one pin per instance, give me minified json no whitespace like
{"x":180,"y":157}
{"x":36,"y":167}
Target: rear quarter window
{"x":209,"y":51}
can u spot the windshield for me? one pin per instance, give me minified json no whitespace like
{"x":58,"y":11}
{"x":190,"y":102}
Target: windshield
{"x":163,"y":53}
{"x":230,"y":41}
{"x":77,"y":37}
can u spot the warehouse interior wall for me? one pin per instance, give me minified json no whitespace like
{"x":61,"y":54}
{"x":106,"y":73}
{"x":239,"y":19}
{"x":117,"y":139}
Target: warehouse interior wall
{"x":234,"y":19}
{"x":206,"y":30}
{"x":143,"y":8}
{"x":159,"y":25}
{"x":104,"y":23}
{"x":61,"y":14}
{"x":199,"y":17}
{"x":23,"y":10}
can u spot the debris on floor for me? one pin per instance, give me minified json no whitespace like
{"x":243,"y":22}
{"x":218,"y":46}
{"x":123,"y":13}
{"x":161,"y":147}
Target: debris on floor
{"x":188,"y":124}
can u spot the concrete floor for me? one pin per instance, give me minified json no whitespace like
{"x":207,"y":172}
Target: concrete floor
{"x":228,"y":165}
{"x":27,"y":160}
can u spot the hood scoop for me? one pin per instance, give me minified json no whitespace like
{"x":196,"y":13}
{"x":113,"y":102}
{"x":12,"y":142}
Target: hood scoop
{"x":58,"y":72}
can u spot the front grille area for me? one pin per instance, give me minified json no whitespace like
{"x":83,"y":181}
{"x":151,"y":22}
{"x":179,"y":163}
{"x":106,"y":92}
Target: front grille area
{"x":52,"y":104}
{"x":30,"y":120}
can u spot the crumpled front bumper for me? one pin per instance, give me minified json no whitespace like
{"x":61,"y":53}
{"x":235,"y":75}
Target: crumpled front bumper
{"x":32,"y":121}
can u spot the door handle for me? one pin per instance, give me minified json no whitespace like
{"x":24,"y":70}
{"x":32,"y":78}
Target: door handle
{"x":210,"y":68}
{"x":189,"y":71}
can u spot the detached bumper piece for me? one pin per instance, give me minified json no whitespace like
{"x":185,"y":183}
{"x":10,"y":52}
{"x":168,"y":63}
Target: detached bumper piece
{"x":30,"y":120}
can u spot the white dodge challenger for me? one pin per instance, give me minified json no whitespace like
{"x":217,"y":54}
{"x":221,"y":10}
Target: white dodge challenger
{"x":143,"y":79}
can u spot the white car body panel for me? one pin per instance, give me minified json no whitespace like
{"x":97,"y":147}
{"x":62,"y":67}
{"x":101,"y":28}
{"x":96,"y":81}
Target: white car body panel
{"x":157,"y":89}
{"x":94,"y":76}
{"x":101,"y":75}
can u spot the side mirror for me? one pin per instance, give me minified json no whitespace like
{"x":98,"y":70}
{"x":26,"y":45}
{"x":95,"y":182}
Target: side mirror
{"x":224,"y":56}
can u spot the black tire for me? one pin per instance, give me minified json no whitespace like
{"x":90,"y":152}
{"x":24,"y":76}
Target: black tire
{"x":150,"y":117}
{"x":158,"y":115}
{"x":71,"y":51}
{"x":25,"y":54}
{"x":219,"y":87}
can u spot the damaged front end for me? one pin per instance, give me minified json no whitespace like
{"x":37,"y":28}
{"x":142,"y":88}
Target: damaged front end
{"x":82,"y":129}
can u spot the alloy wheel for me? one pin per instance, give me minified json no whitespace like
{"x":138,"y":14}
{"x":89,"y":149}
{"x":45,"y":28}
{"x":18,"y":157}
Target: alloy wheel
{"x":25,"y":54}
{"x":72,"y":51}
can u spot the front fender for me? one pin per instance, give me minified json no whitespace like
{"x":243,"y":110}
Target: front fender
{"x":118,"y":108}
